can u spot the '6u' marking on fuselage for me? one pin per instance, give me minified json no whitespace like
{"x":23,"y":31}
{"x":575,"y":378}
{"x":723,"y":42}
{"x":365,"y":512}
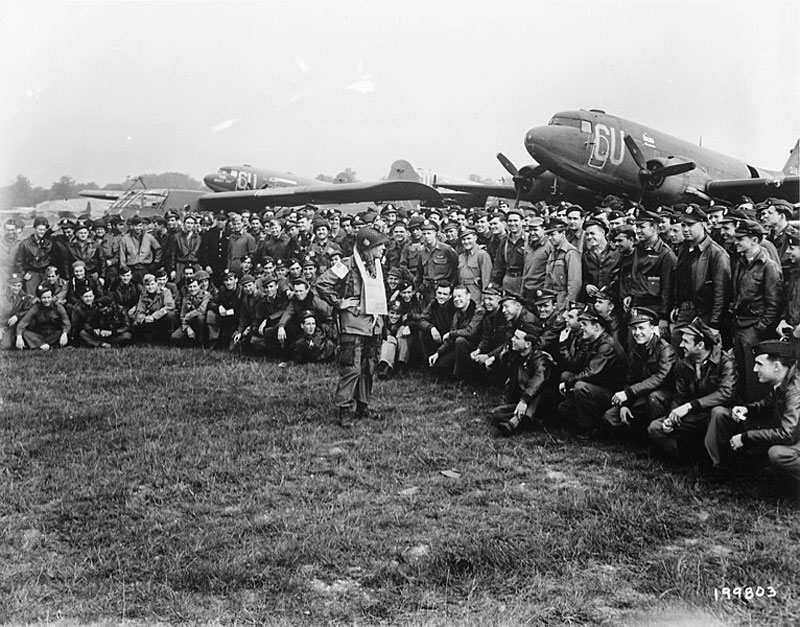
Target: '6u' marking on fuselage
{"x":609,"y":144}
{"x":246,"y":180}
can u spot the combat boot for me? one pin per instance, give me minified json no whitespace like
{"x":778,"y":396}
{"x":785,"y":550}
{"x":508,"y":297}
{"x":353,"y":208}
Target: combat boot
{"x":363,"y":412}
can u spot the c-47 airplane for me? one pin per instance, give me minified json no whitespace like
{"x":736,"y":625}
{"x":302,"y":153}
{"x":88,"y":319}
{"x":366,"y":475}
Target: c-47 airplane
{"x":236,"y":188}
{"x":592,"y":150}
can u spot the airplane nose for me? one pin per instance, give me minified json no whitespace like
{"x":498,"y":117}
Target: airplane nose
{"x":538,"y":141}
{"x":217,"y":182}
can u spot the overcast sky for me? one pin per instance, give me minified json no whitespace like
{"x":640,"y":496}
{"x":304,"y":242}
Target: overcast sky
{"x":101,"y":90}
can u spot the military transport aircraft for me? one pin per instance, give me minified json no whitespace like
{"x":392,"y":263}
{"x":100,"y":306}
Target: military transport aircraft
{"x":237,"y":188}
{"x":610,"y":155}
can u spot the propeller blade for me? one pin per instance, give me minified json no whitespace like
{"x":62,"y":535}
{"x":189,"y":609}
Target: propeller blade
{"x":506,"y":162}
{"x":530,"y":172}
{"x":677,"y":168}
{"x":637,"y":155}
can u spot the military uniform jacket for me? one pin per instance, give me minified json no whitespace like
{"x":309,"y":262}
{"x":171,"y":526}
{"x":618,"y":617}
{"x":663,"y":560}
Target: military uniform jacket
{"x":44,"y":320}
{"x":272,"y":308}
{"x":12,"y":305}
{"x":553,"y":326}
{"x":89,"y":253}
{"x":109,"y":250}
{"x":186,"y":250}
{"x":573,"y":351}
{"x":157,"y":305}
{"x":228,"y":299}
{"x":564,"y":273}
{"x":605,"y":366}
{"x":248,"y":308}
{"x":332,"y":289}
{"x":650,"y":368}
{"x":781,"y":241}
{"x":312,"y":302}
{"x":791,"y":312}
{"x":528,"y":376}
{"x":436,"y":315}
{"x":114,"y":320}
{"x":34,"y":254}
{"x":510,"y":327}
{"x":139,"y":251}
{"x":60,"y":289}
{"x":127,"y":295}
{"x":708,"y":272}
{"x":466,"y":324}
{"x":75,"y":288}
{"x":534,"y":268}
{"x":714,"y":386}
{"x":600,"y":269}
{"x":757,"y":293}
{"x":409,"y":255}
{"x":194,"y":307}
{"x":493,"y":332}
{"x":775,"y":419}
{"x":238,"y":246}
{"x":213,"y":246}
{"x":509,"y":258}
{"x":648,"y":279}
{"x":438,"y":263}
{"x":474,"y":271}
{"x":8,"y":258}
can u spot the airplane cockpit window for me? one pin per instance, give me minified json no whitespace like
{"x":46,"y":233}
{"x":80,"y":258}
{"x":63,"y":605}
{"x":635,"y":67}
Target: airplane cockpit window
{"x":586,"y":126}
{"x":562,"y":121}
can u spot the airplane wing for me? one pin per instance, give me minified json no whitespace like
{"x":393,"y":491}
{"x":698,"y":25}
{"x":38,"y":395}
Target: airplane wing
{"x":381,"y":191}
{"x":478,"y":189}
{"x":786,"y":187}
{"x":102,"y":194}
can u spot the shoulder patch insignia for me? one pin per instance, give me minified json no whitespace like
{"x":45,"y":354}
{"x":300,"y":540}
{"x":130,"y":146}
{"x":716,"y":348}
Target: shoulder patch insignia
{"x":340,"y":270}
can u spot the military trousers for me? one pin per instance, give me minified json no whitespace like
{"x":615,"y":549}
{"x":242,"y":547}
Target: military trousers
{"x":357,"y":360}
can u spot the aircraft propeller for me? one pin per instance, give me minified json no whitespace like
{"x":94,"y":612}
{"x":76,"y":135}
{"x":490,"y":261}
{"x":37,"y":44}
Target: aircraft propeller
{"x":652,"y":173}
{"x":523,"y":178}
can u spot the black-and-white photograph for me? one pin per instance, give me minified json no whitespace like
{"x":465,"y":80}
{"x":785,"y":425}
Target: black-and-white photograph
{"x":350,"y":312}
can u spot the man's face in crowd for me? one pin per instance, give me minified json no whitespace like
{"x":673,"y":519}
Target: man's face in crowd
{"x":591,"y":330}
{"x":126,"y":278}
{"x":249,"y":288}
{"x":300,"y":291}
{"x":275,"y":228}
{"x":99,"y":232}
{"x":247,"y":265}
{"x":335,"y":222}
{"x":82,"y":235}
{"x":309,"y":326}
{"x":642,"y":332}
{"x":392,"y":281}
{"x":400,"y":234}
{"x":461,"y":298}
{"x":690,"y":346}
{"x":646,"y":231}
{"x":40,"y":230}
{"x":255,"y":224}
{"x":794,"y":253}
{"x":295,"y":270}
{"x":676,"y":234}
{"x":574,"y":220}
{"x":546,"y":308}
{"x":304,"y":224}
{"x":511,"y":309}
{"x":87,"y":298}
{"x":237,"y":224}
{"x":16,"y":287}
{"x":595,"y":237}
{"x":769,"y":217}
{"x":151,"y":287}
{"x":442,"y":295}
{"x":482,"y":225}
{"x":571,"y":318}
{"x":624,"y":243}
{"x":51,"y":274}
{"x":394,"y":316}
{"x":271,"y":289}
{"x":137,"y":229}
{"x":46,"y":298}
{"x":172,"y":223}
{"x":514,"y":222}
{"x":309,"y":272}
{"x":518,"y":342}
{"x":694,"y":232}
{"x":491,"y":302}
{"x":416,"y":234}
{"x":604,"y":307}
{"x":766,"y":370}
{"x":10,"y":232}
{"x":194,"y":288}
{"x":745,"y":244}
{"x":714,"y":217}
{"x":188,"y":225}
{"x":322,"y":233}
{"x":469,"y":241}
{"x":496,"y":226}
{"x":230,"y":283}
{"x":429,"y":237}
{"x":537,"y":233}
{"x":407,"y":294}
{"x":556,"y":238}
{"x":188,"y":273}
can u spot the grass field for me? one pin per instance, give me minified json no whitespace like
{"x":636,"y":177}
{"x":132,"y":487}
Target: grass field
{"x":182,"y":486}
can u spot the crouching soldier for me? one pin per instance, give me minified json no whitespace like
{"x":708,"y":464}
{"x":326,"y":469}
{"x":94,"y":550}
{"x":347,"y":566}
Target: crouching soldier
{"x":312,"y":346}
{"x":704,"y":379}
{"x":193,"y":313}
{"x":452,"y":357}
{"x":221,"y":315}
{"x":771,"y":424}
{"x":588,"y":391}
{"x":155,"y":316}
{"x":12,"y":308}
{"x":106,"y":325}
{"x":523,"y":389}
{"x":45,"y":325}
{"x":647,"y":392}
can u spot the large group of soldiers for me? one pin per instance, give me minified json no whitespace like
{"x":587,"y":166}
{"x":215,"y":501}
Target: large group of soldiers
{"x":680,"y":325}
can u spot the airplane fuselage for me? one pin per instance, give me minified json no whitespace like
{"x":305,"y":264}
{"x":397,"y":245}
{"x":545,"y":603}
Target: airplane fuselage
{"x":244,"y":177}
{"x":588,"y":149}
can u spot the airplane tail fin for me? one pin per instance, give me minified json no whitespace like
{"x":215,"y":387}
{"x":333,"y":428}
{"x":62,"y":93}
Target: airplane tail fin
{"x":402,"y":170}
{"x":793,"y":164}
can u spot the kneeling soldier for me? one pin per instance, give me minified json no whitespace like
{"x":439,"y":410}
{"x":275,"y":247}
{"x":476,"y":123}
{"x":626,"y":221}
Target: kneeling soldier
{"x":647,"y":392}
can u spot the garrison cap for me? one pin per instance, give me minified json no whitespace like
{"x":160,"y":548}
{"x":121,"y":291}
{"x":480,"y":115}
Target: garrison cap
{"x":248,"y":278}
{"x":598,"y":223}
{"x":642,"y":314}
{"x":734,"y":215}
{"x":748,"y":228}
{"x":625,"y":229}
{"x":511,"y":295}
{"x":555,"y":224}
{"x":493,"y":289}
{"x":691,"y":214}
{"x":774,"y":347}
{"x":646,"y":216}
{"x":543,"y":295}
{"x":781,"y":206}
{"x":604,"y":293}
{"x":701,"y":330}
{"x":792,"y":236}
{"x":531,"y":330}
{"x":590,"y":315}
